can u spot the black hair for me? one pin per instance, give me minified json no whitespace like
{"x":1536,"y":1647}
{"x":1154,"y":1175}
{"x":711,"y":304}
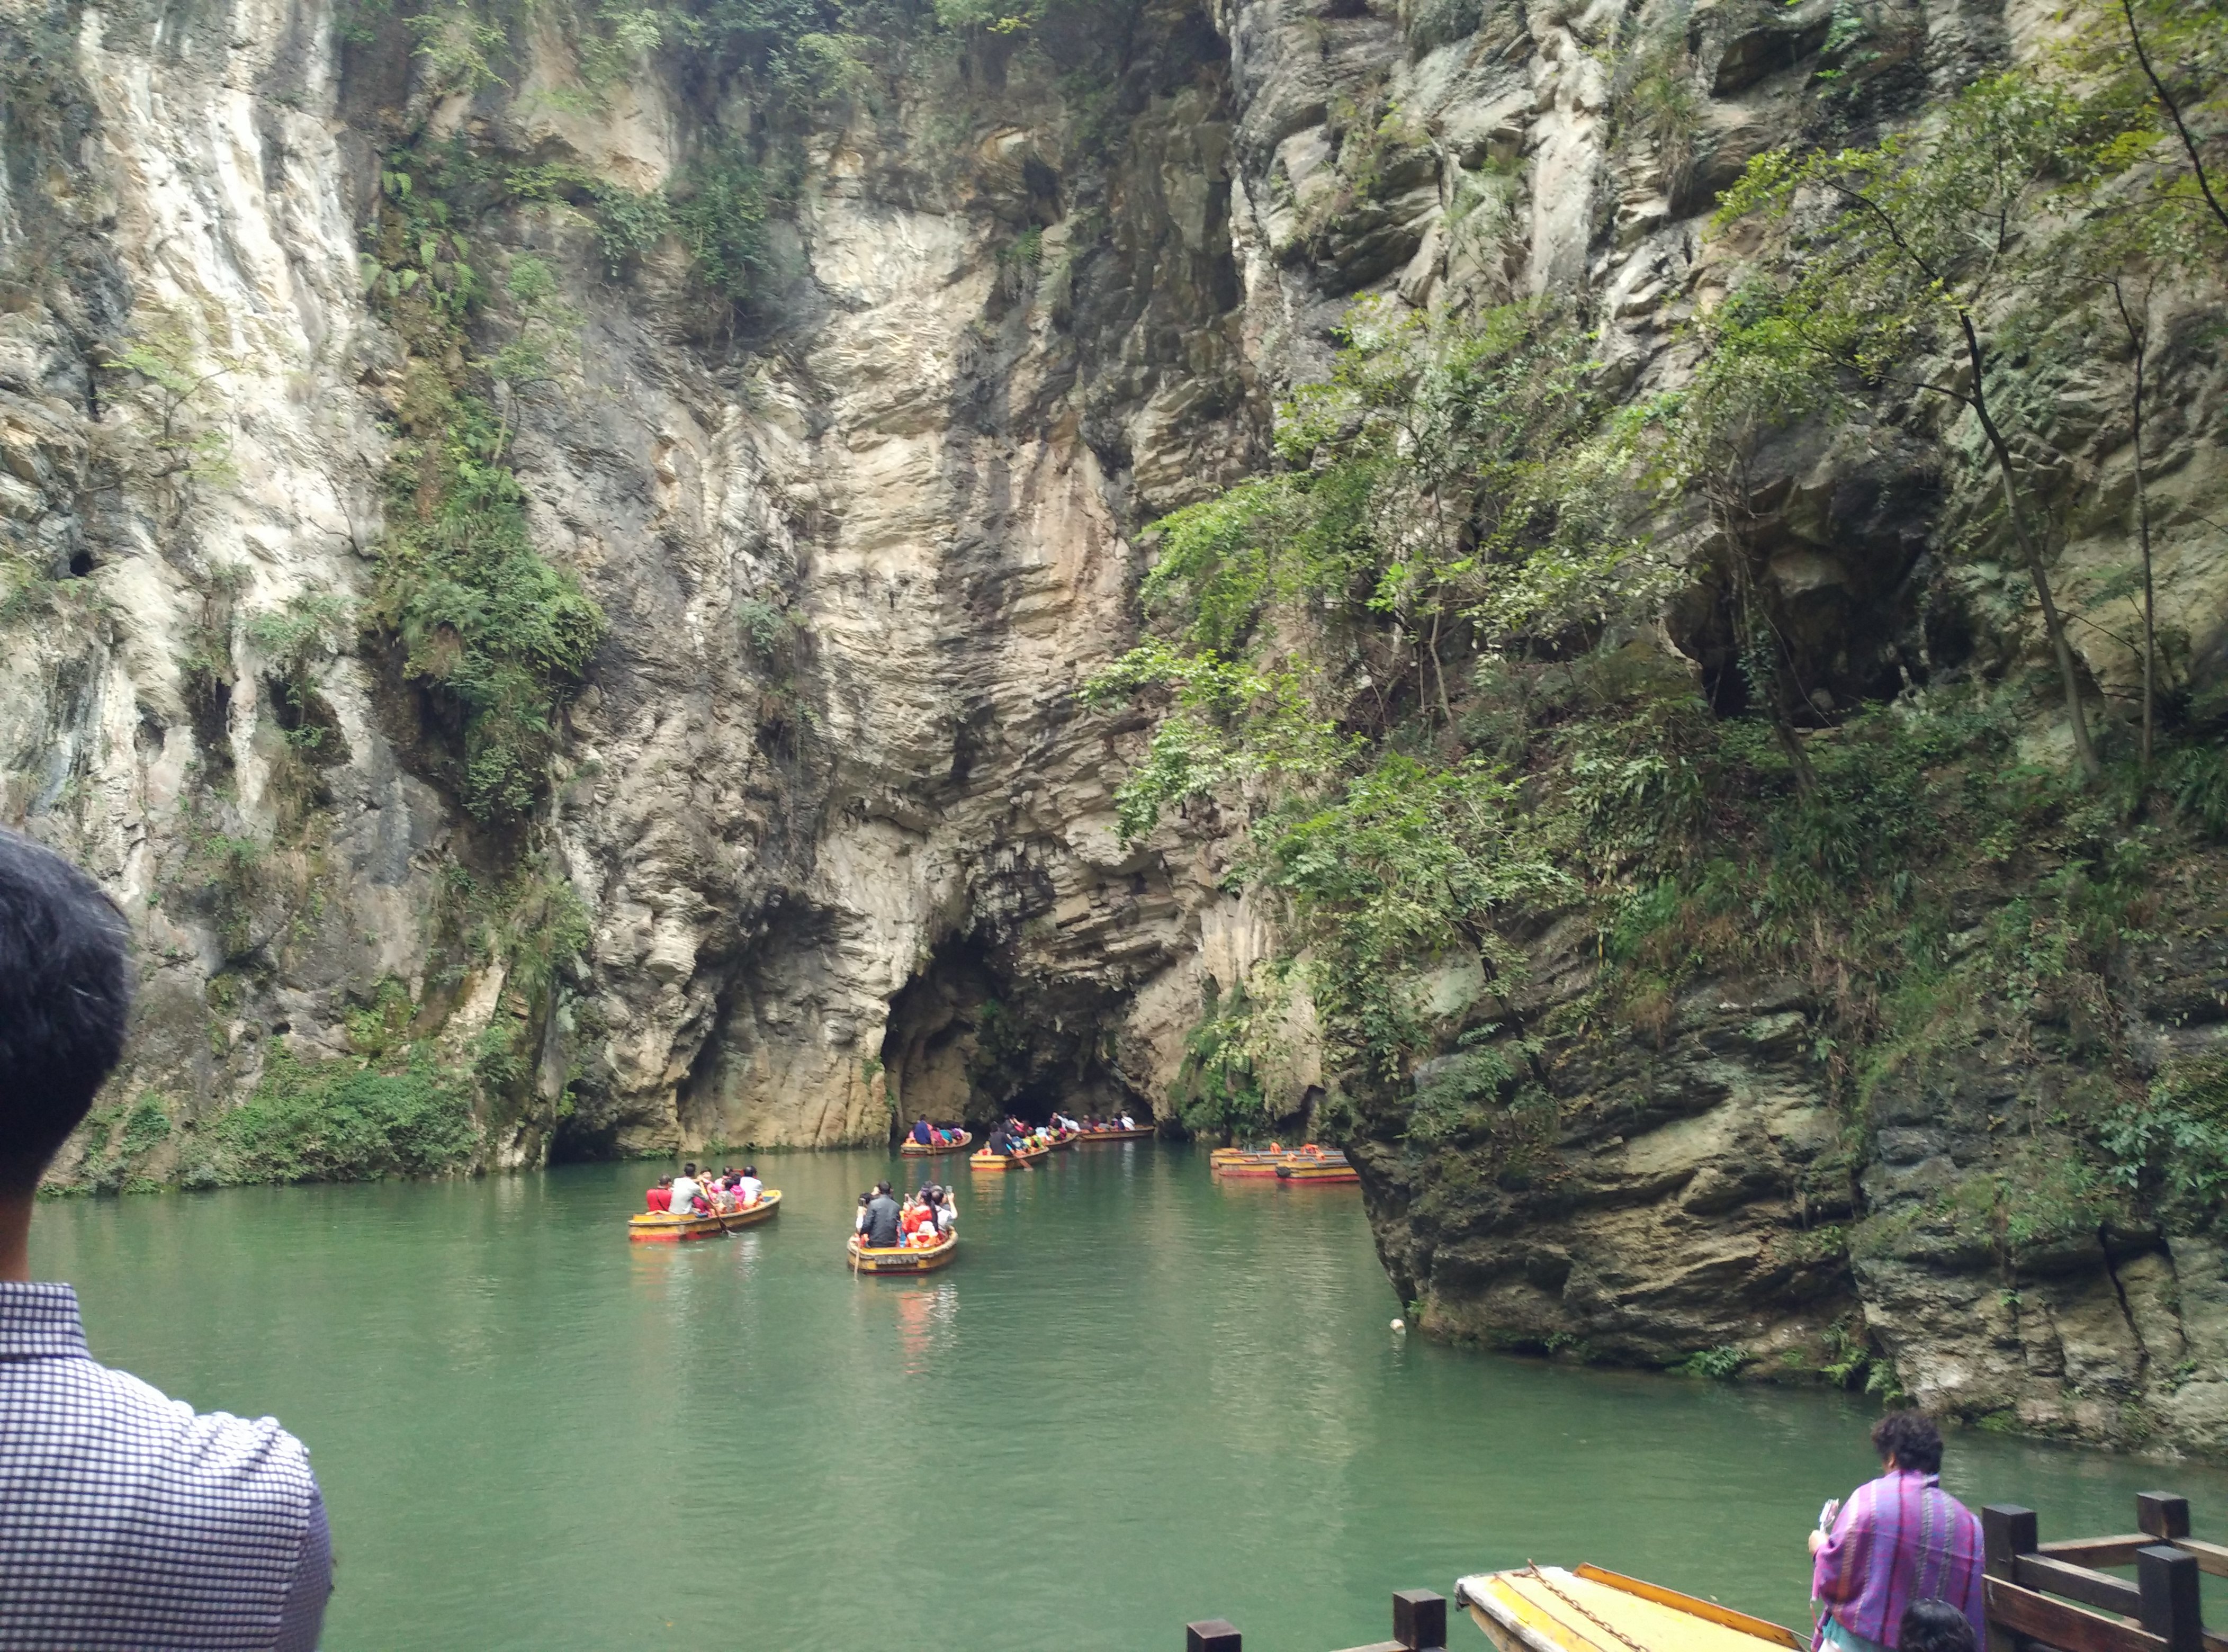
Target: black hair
{"x":1909,"y":1438}
{"x":749,"y":1169}
{"x":64,"y":1001}
{"x":1934,"y":1626}
{"x":689,"y":1168}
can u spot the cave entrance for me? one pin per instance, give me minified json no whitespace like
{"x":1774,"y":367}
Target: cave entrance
{"x":967,"y":1042}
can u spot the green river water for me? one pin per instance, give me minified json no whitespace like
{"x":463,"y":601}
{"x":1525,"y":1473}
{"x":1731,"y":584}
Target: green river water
{"x":1137,"y":1398}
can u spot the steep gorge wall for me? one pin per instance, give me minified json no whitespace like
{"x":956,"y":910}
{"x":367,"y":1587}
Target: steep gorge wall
{"x":835,"y":830}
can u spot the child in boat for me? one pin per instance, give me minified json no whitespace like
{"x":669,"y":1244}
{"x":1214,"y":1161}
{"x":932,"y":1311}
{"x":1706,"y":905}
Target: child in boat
{"x":1934,"y":1626}
{"x":660,"y":1198}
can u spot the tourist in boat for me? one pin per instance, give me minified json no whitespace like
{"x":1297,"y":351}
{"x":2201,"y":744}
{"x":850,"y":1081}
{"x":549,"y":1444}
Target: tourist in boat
{"x":748,"y":1187}
{"x":1129,"y":1123}
{"x":660,"y":1198}
{"x":687,"y":1190}
{"x":1934,"y":1626}
{"x":1900,"y":1537}
{"x":1001,"y":1143}
{"x":947,"y":1214}
{"x":859,"y":1223}
{"x":883,"y":1218}
{"x":924,"y":1133}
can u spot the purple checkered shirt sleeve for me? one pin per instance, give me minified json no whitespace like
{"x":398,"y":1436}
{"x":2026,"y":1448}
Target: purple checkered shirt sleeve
{"x":1899,"y":1538}
{"x":127,"y":1521}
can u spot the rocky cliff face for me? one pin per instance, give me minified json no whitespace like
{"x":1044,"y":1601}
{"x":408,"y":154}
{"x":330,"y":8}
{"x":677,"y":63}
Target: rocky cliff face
{"x":826,"y":833}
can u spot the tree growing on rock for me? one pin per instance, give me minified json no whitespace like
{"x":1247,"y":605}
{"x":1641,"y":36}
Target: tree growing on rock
{"x":1908,"y":264}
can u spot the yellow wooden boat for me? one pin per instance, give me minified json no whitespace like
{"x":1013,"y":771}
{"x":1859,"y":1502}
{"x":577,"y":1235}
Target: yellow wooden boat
{"x":914,"y":1150}
{"x":1546,"y":1609}
{"x":1330,"y":1170}
{"x":1241,"y":1163}
{"x":1137,"y":1135}
{"x":1018,"y":1159}
{"x":657,"y":1227}
{"x":869,"y":1259}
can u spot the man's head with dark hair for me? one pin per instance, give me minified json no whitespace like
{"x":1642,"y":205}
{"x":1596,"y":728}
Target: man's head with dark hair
{"x":64,"y":997}
{"x":1909,"y":1440}
{"x":1934,"y":1626}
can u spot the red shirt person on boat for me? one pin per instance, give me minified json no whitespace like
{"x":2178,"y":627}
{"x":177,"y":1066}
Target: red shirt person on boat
{"x":660,"y":1197}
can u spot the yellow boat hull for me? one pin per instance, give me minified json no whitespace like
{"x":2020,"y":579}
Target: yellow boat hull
{"x":1546,"y":1609}
{"x":1017,"y":1160}
{"x":656,"y":1227}
{"x":867,"y":1258}
{"x":1311,"y":1175}
{"x":914,"y":1150}
{"x":1137,"y":1134}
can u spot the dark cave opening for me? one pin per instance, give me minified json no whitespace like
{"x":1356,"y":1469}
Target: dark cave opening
{"x":970,"y":1042}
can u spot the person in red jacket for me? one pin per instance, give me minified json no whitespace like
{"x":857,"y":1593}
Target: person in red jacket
{"x":660,"y":1198}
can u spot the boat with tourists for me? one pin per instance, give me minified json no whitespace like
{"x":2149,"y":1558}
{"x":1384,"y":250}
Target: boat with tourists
{"x":1137,"y":1133}
{"x":953,"y":1140}
{"x":1547,"y":1609}
{"x":901,"y":1258}
{"x":1020,"y":1158}
{"x":665,"y":1227}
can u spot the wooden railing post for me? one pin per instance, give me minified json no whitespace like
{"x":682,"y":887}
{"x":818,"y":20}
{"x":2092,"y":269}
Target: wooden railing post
{"x":1419,"y":1620}
{"x":2162,"y":1516}
{"x":2171,"y":1609}
{"x":2006,"y":1532}
{"x":1212,"y":1635}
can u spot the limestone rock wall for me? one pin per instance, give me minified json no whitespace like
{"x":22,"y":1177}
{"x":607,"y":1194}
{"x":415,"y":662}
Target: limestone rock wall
{"x":841,"y":829}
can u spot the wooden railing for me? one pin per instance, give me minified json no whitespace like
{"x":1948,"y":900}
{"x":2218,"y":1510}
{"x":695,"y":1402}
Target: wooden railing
{"x":2058,"y":1597}
{"x":2041,"y":1595}
{"x":1419,"y":1625}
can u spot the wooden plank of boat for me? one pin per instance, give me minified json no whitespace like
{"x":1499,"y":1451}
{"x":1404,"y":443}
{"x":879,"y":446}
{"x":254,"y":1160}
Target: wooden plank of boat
{"x":660,"y":1227}
{"x":1546,"y":1609}
{"x":914,"y":1150}
{"x":1137,"y":1134}
{"x":868,"y":1259}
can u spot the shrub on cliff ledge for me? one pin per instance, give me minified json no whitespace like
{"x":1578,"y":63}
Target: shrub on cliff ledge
{"x":345,"y":1121}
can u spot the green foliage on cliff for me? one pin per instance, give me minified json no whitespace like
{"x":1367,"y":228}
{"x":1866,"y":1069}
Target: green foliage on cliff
{"x":1423,"y":660}
{"x":495,"y":636}
{"x":345,"y":1120}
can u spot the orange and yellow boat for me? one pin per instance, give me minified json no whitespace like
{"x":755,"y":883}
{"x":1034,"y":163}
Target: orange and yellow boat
{"x":914,"y":1150}
{"x":659,"y":1227}
{"x":1329,"y":1170}
{"x":1546,"y":1609}
{"x":1018,"y":1159}
{"x":901,"y":1258}
{"x":1263,"y":1164}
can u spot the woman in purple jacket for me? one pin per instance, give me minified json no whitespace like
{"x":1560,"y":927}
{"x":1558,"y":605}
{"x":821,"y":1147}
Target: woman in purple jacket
{"x":1900,"y":1537}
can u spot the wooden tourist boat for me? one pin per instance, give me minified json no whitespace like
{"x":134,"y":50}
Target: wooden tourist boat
{"x":1019,"y":1157}
{"x":1137,"y":1135}
{"x":656,"y":1227}
{"x":1263,"y":1164}
{"x":1329,"y":1169}
{"x":1243,"y":1161}
{"x":915,"y":1151}
{"x":867,"y":1258}
{"x":1065,"y":1138}
{"x":1546,"y":1609}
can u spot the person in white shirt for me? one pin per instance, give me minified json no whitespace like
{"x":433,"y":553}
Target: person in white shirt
{"x":685,"y":1189}
{"x":1129,"y":1123}
{"x":747,"y":1189}
{"x":946,"y":1217}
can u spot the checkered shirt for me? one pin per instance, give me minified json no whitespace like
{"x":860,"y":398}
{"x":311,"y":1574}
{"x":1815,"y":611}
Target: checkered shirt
{"x":126,"y":1522}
